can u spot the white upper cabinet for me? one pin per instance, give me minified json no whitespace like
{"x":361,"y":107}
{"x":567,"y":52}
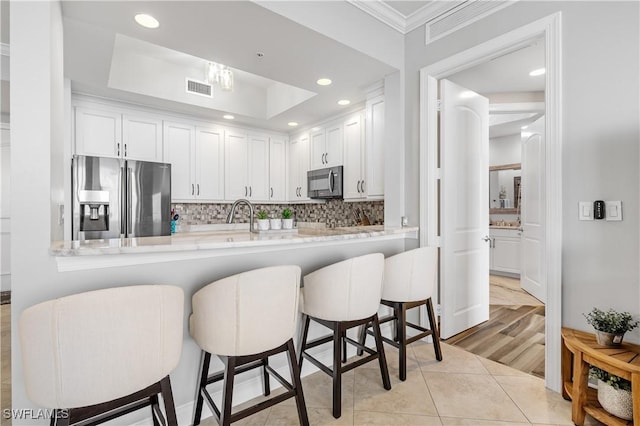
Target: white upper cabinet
{"x":354,"y":156}
{"x":277,"y":169}
{"x":98,"y":132}
{"x":246,"y":166}
{"x":108,"y":133}
{"x":196,"y":155}
{"x":298,"y":167}
{"x":326,"y":146}
{"x":179,"y":140}
{"x":142,"y":138}
{"x":209,"y":160}
{"x":375,"y":142}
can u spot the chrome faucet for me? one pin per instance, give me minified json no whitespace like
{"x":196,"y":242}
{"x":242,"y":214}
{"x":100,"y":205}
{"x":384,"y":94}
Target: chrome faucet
{"x":233,"y":212}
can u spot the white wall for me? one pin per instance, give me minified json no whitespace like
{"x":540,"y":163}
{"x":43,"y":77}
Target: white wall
{"x":505,"y":150}
{"x":601,"y":120}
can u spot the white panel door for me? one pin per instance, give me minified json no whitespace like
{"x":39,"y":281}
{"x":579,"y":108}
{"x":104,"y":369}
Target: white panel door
{"x":209,"y":161}
{"x":142,"y":138}
{"x":179,"y":144}
{"x":258,"y":171}
{"x":533,"y":273}
{"x":464,"y":208}
{"x":98,"y":132}
{"x":236,"y":183}
{"x":318,"y":147}
{"x":353,"y":159}
{"x":333,"y":153}
{"x":277,"y":169}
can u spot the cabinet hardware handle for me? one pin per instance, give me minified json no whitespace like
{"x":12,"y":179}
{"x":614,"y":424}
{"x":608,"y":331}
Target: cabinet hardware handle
{"x":358,"y":187}
{"x":326,"y":158}
{"x":125,"y":149}
{"x":271,"y":192}
{"x":118,"y":148}
{"x":192,"y":189}
{"x":298,"y":191}
{"x":198,"y":186}
{"x":362,"y":186}
{"x":250,"y":191}
{"x":245,"y":191}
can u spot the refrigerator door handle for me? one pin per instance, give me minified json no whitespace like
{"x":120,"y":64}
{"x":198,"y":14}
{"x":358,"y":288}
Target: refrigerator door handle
{"x":129,"y":201}
{"x":122,"y":184}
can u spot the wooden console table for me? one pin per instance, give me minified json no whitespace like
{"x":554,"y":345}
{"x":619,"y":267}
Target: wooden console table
{"x":579,"y":351}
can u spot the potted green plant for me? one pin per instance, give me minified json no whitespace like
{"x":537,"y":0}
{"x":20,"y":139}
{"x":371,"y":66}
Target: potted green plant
{"x":287,"y":221}
{"x":614,"y":393}
{"x":610,"y":326}
{"x":263,"y":220}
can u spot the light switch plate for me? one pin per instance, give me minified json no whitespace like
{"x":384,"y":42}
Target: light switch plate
{"x":613,"y":210}
{"x":585,"y":210}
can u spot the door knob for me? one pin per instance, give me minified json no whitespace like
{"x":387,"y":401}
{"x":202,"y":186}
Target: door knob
{"x":487,"y":239}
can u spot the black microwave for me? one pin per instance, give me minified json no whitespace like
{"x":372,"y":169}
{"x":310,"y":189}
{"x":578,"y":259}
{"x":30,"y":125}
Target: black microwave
{"x":325,"y":183}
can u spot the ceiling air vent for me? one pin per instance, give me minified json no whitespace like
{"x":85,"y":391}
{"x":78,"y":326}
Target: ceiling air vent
{"x":199,"y":88}
{"x":465,"y":13}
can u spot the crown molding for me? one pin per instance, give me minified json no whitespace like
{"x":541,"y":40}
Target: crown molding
{"x":4,"y":49}
{"x":382,"y":12}
{"x":428,"y":12}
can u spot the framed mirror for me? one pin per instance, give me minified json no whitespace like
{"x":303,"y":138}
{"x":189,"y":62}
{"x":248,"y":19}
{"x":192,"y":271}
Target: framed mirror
{"x":504,"y":188}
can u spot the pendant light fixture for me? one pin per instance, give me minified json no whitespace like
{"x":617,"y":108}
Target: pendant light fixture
{"x":219,"y":74}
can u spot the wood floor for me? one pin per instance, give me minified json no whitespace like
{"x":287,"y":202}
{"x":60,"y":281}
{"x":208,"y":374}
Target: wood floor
{"x":514,"y":334}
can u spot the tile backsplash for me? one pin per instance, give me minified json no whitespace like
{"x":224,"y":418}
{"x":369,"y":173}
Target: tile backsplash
{"x":333,"y":213}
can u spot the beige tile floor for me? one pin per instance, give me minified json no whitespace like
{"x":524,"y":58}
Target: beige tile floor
{"x":463,"y":389}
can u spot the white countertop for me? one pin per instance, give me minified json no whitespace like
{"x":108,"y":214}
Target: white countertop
{"x":228,"y":239}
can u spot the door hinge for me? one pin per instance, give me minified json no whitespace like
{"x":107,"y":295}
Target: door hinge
{"x":438,"y":173}
{"x":438,"y":105}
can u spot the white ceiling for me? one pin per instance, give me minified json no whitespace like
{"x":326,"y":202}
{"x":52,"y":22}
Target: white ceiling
{"x":407,"y":8}
{"x":227,"y":32}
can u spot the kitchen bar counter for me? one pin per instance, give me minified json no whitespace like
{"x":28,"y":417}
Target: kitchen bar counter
{"x":77,"y":255}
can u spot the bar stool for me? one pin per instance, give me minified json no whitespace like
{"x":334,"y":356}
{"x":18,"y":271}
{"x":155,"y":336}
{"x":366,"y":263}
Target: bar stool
{"x":99,"y":355}
{"x":409,"y":282}
{"x":342,"y":296}
{"x":244,"y":319}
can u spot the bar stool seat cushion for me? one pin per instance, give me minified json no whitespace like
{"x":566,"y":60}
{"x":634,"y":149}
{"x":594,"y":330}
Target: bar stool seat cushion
{"x":410,"y":276}
{"x":333,"y":293}
{"x":228,"y":315}
{"x":98,"y":346}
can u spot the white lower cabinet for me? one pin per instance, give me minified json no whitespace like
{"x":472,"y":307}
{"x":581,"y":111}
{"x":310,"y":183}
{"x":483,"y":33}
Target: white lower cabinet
{"x":505,"y":250}
{"x":196,"y":155}
{"x":298,"y":167}
{"x":246,"y":166}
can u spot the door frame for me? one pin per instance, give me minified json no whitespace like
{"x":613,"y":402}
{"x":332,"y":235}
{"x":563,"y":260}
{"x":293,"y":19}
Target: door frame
{"x":550,"y":29}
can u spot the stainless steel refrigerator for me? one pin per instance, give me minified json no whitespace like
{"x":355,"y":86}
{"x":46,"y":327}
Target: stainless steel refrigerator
{"x":115,"y":198}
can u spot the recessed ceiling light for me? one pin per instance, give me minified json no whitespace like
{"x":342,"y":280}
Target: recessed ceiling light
{"x":344,"y":102}
{"x":228,"y":116}
{"x":324,"y":82}
{"x":292,"y":123}
{"x":537,"y":72}
{"x":147,"y":21}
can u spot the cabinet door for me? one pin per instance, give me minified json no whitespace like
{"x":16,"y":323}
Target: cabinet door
{"x":294,"y":169}
{"x":317,"y":150}
{"x":142,"y":138}
{"x":303,"y":159}
{"x":180,"y":146}
{"x":374,"y":147}
{"x":209,"y":160}
{"x":506,"y":254}
{"x":353,"y":158}
{"x":258,"y":168}
{"x":98,"y":132}
{"x":277,"y":169}
{"x":236,"y":184}
{"x":333,"y":153}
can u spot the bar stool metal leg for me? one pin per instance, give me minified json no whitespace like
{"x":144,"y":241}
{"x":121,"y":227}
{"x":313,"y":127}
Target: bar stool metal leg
{"x":205,"y":361}
{"x":434,"y":327}
{"x":337,"y":371}
{"x":297,"y":384}
{"x":382,"y":360}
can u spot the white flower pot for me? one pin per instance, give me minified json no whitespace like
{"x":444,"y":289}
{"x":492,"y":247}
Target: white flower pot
{"x":275,"y":223}
{"x":287,"y":223}
{"x":263,"y":224}
{"x":616,"y":401}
